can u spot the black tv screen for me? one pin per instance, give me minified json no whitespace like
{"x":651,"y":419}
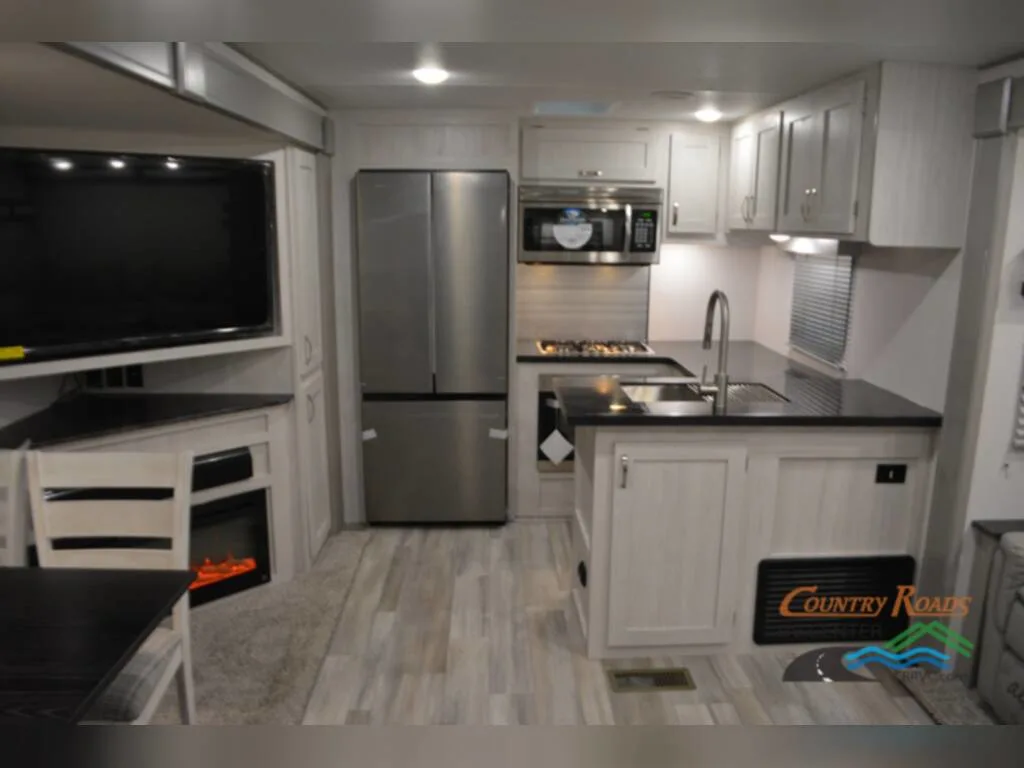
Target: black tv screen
{"x":108,"y":252}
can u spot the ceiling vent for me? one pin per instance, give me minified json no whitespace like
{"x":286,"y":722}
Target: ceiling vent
{"x":571,"y":108}
{"x":673,"y":95}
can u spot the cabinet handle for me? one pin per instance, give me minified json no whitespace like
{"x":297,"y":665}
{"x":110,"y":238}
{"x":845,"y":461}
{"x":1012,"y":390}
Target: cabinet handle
{"x":309,"y":350}
{"x":591,"y":174}
{"x":310,"y":408}
{"x":625,"y":469}
{"x":675,"y":214}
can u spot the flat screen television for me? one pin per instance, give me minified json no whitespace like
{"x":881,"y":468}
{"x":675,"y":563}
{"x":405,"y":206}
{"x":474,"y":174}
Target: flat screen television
{"x":111,"y":252}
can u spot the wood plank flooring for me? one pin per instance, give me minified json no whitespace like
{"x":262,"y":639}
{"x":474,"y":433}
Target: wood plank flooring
{"x":472,"y":626}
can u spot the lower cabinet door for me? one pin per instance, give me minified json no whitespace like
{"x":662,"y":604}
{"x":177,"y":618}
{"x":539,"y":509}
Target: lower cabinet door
{"x":314,"y":469}
{"x":674,"y":543}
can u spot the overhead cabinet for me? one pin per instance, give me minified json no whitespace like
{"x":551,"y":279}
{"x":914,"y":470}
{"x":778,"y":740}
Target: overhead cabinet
{"x":883,"y":156}
{"x":219,"y":76}
{"x":822,"y":161}
{"x":754,"y":172}
{"x":693,"y":183}
{"x":624,"y":155}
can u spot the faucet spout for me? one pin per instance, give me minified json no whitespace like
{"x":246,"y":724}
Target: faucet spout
{"x":722,"y":377}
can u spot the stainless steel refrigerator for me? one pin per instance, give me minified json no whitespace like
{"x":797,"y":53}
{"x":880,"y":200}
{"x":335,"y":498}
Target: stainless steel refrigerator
{"x":433,"y":264}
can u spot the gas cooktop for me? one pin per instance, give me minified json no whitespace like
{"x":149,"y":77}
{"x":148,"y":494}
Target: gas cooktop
{"x":593,"y":348}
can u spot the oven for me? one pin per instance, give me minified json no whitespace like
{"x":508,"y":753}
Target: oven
{"x":589,"y":225}
{"x":555,"y":452}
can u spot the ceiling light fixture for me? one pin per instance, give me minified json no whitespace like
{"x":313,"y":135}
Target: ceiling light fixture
{"x":430,"y":75}
{"x":61,"y":164}
{"x":116,"y":163}
{"x":172,"y":164}
{"x":708,"y":115}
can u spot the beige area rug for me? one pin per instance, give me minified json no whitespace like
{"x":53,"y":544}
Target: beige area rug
{"x":945,"y":698}
{"x":256,"y":655}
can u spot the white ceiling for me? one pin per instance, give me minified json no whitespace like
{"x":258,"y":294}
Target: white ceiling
{"x":738,"y":78}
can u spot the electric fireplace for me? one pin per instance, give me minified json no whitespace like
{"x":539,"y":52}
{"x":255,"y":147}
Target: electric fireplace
{"x":230,"y":547}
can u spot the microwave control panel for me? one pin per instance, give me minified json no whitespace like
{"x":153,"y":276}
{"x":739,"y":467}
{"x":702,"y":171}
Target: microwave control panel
{"x":645,"y":228}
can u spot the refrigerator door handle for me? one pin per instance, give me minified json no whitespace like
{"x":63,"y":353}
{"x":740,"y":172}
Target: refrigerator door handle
{"x":431,"y":290}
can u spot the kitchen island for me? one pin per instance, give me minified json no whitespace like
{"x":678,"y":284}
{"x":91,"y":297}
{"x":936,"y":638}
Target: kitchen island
{"x":680,"y":508}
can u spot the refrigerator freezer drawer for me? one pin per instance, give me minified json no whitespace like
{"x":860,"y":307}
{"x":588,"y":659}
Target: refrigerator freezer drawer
{"x":434,"y":461}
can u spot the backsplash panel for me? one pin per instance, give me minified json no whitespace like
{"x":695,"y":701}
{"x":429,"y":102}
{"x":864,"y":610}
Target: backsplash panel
{"x":581,"y":302}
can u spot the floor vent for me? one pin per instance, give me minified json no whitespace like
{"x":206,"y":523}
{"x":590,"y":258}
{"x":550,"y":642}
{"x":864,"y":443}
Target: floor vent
{"x":833,"y":577}
{"x":650,"y":680}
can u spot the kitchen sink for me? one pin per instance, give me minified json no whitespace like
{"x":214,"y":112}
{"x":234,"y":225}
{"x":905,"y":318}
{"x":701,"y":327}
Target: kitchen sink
{"x":663,"y":393}
{"x":740,"y":393}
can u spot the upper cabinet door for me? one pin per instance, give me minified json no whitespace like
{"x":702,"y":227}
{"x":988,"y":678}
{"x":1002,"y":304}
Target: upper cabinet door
{"x":801,"y":166}
{"x":741,"y":176}
{"x":692,"y":205}
{"x":396,"y":343}
{"x":840,"y":114}
{"x":470,"y":262}
{"x":305,"y":223}
{"x":590,"y":155}
{"x":764,"y":191}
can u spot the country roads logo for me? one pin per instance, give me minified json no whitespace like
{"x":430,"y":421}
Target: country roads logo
{"x":926,"y":644}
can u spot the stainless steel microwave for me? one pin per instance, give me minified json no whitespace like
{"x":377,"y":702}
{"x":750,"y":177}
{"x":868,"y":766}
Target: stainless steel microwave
{"x":589,"y":225}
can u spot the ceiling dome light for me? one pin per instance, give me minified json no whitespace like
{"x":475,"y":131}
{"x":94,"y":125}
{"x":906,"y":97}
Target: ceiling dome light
{"x":708,"y":115}
{"x":430,"y":75}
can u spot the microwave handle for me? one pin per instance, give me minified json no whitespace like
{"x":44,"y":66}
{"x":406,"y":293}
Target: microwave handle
{"x":628,"y":246}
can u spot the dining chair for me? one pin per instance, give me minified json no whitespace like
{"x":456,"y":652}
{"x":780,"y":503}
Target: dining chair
{"x":80,"y":499}
{"x":13,"y":515}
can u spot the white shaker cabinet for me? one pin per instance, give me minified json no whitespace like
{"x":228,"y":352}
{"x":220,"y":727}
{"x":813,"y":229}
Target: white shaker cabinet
{"x":754,"y":172}
{"x":692,"y":204}
{"x":675,"y":529}
{"x":303,"y":211}
{"x":314,"y":487}
{"x":591,"y":154}
{"x":821,"y":160}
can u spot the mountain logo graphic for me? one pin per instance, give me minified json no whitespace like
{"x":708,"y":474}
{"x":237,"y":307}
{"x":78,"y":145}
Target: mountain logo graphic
{"x":838,"y":664}
{"x":901,"y":652}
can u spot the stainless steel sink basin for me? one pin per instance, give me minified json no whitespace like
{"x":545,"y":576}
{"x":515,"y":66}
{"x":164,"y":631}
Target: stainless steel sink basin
{"x":740,"y":393}
{"x":663,"y":393}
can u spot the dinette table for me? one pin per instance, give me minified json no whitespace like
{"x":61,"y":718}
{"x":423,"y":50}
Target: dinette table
{"x":66,"y":633}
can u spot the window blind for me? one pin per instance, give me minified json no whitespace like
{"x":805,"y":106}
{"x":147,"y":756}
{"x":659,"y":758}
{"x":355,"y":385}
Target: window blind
{"x":822,"y":291}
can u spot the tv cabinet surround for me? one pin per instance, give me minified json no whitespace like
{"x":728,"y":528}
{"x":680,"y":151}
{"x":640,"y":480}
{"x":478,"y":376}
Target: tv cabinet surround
{"x":202,"y":423}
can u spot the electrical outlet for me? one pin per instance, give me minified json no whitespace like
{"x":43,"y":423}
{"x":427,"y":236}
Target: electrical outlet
{"x":891,"y":473}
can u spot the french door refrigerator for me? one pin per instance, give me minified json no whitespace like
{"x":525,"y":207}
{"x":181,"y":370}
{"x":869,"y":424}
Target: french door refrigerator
{"x":433,"y":264}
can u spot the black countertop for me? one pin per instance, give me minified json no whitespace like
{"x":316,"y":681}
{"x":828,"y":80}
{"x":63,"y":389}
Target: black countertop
{"x":815,"y":400}
{"x":92,"y":415}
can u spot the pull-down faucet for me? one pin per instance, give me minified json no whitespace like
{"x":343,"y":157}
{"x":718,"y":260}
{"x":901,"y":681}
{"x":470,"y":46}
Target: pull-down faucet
{"x":722,"y":377}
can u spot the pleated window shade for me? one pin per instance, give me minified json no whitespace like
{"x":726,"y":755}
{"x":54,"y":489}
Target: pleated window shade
{"x":822,"y":294}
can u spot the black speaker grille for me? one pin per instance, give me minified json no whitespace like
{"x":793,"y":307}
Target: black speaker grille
{"x":834,"y":576}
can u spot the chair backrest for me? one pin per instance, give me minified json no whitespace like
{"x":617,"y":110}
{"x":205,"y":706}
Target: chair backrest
{"x":13,"y":515}
{"x":79,"y":496}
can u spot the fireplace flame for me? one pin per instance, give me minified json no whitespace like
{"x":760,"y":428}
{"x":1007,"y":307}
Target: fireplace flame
{"x":210,"y":572}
